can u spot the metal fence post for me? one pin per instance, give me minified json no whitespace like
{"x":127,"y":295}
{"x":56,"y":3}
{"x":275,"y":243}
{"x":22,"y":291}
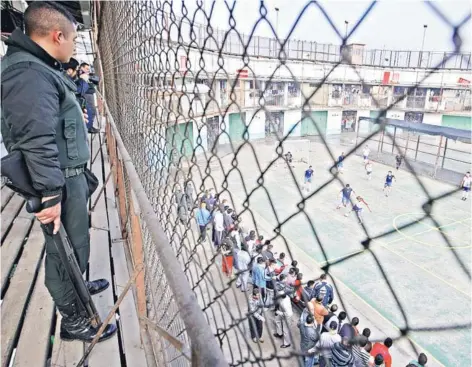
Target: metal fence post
{"x":417,"y":147}
{"x":444,"y":156}
{"x":394,"y":136}
{"x":437,"y":156}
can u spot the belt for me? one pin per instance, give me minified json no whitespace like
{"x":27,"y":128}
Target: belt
{"x":74,"y":171}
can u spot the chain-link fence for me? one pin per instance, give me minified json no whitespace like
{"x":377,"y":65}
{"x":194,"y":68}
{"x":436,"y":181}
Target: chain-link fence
{"x":178,"y":98}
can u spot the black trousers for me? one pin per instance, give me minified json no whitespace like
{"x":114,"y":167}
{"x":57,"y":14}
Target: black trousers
{"x":74,"y":218}
{"x":255,"y":326}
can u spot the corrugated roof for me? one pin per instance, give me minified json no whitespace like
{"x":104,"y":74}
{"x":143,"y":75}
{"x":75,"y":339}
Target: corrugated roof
{"x":448,"y":132}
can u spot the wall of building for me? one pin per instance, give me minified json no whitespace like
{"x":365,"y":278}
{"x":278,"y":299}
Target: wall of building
{"x":432,"y":118}
{"x":292,"y":123}
{"x":264,"y":68}
{"x":334,"y":121}
{"x":458,"y":122}
{"x":396,"y":114}
{"x":256,"y":122}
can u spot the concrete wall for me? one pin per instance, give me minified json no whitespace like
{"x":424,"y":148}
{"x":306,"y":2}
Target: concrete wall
{"x":333,"y":125}
{"x":256,"y":122}
{"x":432,"y":118}
{"x":396,"y":114}
{"x":292,"y":117}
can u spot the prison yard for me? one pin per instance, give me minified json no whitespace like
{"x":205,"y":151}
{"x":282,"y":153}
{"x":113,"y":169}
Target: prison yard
{"x":393,"y":282}
{"x":279,"y":184}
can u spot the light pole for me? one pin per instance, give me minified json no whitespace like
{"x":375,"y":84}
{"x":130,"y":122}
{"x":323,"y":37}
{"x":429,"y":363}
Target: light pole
{"x":425,"y":26}
{"x":347,"y":24}
{"x":276,"y":31}
{"x":277,"y":21}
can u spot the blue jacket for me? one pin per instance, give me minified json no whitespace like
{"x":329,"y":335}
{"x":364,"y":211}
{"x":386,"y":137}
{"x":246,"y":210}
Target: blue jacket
{"x":203,"y":217}
{"x":259,"y":278}
{"x":82,"y":87}
{"x":326,"y":290}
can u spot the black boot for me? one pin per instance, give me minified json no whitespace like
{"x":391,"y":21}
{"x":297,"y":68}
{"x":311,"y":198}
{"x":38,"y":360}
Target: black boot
{"x":97,"y":286}
{"x":93,"y":130}
{"x":75,"y":326}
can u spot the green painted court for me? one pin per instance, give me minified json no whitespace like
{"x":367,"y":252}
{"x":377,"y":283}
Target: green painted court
{"x":431,"y":281}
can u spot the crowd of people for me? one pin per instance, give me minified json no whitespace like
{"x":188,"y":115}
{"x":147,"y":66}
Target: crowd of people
{"x":277,"y":287}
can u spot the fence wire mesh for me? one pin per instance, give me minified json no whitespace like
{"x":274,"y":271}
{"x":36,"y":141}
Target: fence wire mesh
{"x":189,"y":110}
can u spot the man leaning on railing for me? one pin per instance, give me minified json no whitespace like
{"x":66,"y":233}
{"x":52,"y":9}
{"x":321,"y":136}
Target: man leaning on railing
{"x":42,"y":119}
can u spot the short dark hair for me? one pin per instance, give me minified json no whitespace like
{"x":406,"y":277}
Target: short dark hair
{"x":333,"y":325}
{"x":42,"y":16}
{"x":296,"y":270}
{"x":87,"y":64}
{"x":255,"y":292}
{"x":299,"y":276}
{"x":294,"y":263}
{"x":342,"y":315}
{"x":267,"y":242}
{"x":355,"y":321}
{"x":282,"y":255}
{"x":368,"y":346}
{"x":310,"y":283}
{"x":272,"y":261}
{"x":334,"y":307}
{"x":379,"y":359}
{"x":366,"y":332}
{"x":362,"y":341}
{"x":347,"y":185}
{"x":282,"y":276}
{"x":260,"y":260}
{"x":422,"y":359}
{"x":319,"y":298}
{"x":310,"y":319}
{"x":388,"y":342}
{"x":323,"y":276}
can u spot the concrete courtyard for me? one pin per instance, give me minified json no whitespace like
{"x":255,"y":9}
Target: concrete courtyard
{"x":417,"y":277}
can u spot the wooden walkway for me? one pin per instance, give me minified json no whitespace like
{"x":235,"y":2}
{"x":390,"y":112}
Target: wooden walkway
{"x":30,"y":323}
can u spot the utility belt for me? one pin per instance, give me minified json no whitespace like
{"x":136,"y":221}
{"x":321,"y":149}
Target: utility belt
{"x":74,"y":171}
{"x":92,"y":180}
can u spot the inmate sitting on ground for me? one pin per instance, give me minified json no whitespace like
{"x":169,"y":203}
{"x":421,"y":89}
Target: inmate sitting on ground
{"x":38,"y":127}
{"x":328,"y":337}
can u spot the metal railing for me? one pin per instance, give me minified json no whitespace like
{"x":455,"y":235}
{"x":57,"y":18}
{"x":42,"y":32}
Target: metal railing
{"x":195,"y":36}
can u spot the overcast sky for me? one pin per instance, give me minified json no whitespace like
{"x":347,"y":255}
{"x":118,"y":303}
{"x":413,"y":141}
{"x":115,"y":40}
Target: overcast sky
{"x":392,"y":24}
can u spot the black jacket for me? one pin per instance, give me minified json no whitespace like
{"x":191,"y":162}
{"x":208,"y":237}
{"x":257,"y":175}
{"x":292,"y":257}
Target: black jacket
{"x":40,"y":114}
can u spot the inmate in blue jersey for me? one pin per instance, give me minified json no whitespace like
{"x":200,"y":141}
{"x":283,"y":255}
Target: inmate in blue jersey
{"x":347,"y":192}
{"x":388,"y":180}
{"x":308,"y":173}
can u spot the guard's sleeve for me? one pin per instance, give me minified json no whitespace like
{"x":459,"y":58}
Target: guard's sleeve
{"x":30,"y":103}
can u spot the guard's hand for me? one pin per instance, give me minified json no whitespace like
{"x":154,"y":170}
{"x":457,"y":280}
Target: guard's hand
{"x":84,"y":113}
{"x":52,"y":214}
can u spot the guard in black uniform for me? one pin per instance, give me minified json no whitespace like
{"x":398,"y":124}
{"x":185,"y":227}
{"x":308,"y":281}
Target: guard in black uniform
{"x":42,"y":118}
